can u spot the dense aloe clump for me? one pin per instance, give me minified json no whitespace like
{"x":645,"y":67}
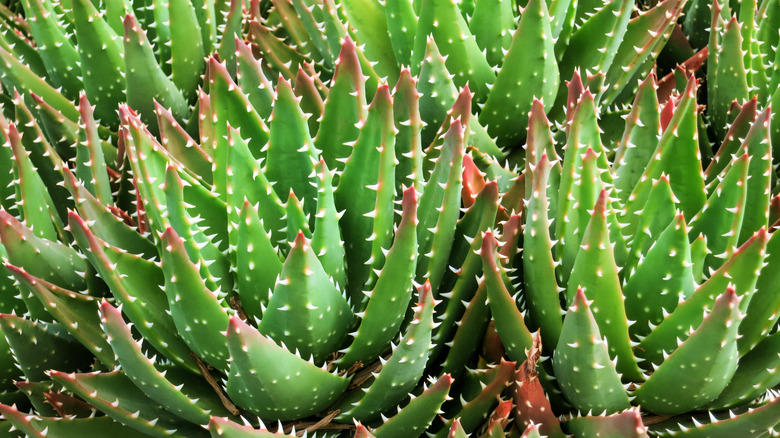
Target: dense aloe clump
{"x":348,"y":218}
{"x":667,"y":284}
{"x":508,"y":52}
{"x":123,"y":52}
{"x":194,"y":285}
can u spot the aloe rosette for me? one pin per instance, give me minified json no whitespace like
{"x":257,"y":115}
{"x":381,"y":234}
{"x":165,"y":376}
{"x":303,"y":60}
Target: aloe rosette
{"x":197,"y":285}
{"x":259,"y":237}
{"x":663,"y":269}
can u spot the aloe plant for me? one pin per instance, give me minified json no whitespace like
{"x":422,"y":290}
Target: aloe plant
{"x":200,"y":284}
{"x":507,"y":54}
{"x":123,"y":52}
{"x":662,"y":269}
{"x":229,"y":245}
{"x":742,"y":48}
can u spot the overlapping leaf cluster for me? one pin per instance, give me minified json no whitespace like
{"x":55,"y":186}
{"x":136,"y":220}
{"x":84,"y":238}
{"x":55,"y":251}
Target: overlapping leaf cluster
{"x":222,"y":217}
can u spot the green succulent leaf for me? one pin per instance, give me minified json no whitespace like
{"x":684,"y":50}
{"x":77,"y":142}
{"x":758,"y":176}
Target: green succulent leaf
{"x":756,"y":373}
{"x":277,"y":55}
{"x":437,"y":91}
{"x":401,"y":26}
{"x":368,"y":21}
{"x":539,"y":141}
{"x":458,"y":287}
{"x":268,"y":380}
{"x":57,"y":52}
{"x":662,"y":279}
{"x":253,"y":80}
{"x":295,"y":26}
{"x":753,"y":423}
{"x":492,"y":24}
{"x":310,"y":89}
{"x":76,"y":312}
{"x":728,"y":80}
{"x":584,"y":174}
{"x":721,"y":217}
{"x":291,"y":156}
{"x":695,"y":23}
{"x":14,"y":39}
{"x":248,"y":183}
{"x":469,"y":334}
{"x":19,"y":76}
{"x":107,"y":221}
{"x":147,"y":172}
{"x":562,"y":15}
{"x":62,"y":265}
{"x":223,"y":427}
{"x":181,"y":146}
{"x":142,"y":371}
{"x":582,"y":355}
{"x":761,"y":313}
{"x":595,"y":274}
{"x":318,"y":43}
{"x":510,"y":323}
{"x":306,"y":312}
{"x":475,"y":410}
{"x":731,"y":144}
{"x":326,"y":240}
{"x":145,"y":80}
{"x":389,"y":299}
{"x":63,"y":132}
{"x":363,"y":195}
{"x":442,"y":21}
{"x":101,"y":55}
{"x":658,"y":212}
{"x":37,"y":206}
{"x":187,"y":52}
{"x":197,"y":311}
{"x":626,"y":424}
{"x":741,"y":271}
{"x":229,"y":105}
{"x":257,"y":262}
{"x":676,"y":155}
{"x":711,"y":349}
{"x":10,"y":301}
{"x":418,"y":414}
{"x":639,"y":140}
{"x":594,"y":44}
{"x":646,"y":35}
{"x":541,"y":287}
{"x":440,"y":208}
{"x":529,"y":71}
{"x":90,"y":159}
{"x":40,"y":427}
{"x":408,"y":140}
{"x":758,"y":192}
{"x":345,"y":109}
{"x":401,"y":372}
{"x":137,"y":284}
{"x":26,"y":339}
{"x":116,"y":395}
